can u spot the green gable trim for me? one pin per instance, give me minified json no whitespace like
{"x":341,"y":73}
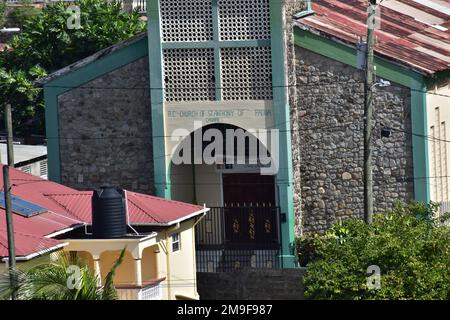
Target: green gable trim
{"x":74,"y":79}
{"x":397,"y":74}
{"x":155,"y":56}
{"x":437,"y":78}
{"x":347,"y":55}
{"x":420,"y":142}
{"x":281,"y":107}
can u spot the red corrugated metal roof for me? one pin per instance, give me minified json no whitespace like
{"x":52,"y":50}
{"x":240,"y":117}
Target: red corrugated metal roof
{"x":68,"y":207}
{"x":142,"y":209}
{"x":414,"y":33}
{"x":26,"y":244}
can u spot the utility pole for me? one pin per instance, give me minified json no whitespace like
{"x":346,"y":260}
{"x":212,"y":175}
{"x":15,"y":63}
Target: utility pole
{"x":7,"y":193}
{"x":368,"y":113}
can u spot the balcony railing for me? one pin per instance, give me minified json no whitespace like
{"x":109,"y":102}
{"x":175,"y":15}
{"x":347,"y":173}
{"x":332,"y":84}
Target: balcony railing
{"x":146,"y":292}
{"x":140,"y":5}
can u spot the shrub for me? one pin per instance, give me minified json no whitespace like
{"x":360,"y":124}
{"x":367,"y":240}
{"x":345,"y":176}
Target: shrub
{"x":2,"y":13}
{"x":407,"y":244}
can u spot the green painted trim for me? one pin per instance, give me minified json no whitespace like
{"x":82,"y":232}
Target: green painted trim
{"x":52,"y":132}
{"x":437,"y":78}
{"x":74,"y":79}
{"x":347,"y":55}
{"x":282,"y":118}
{"x":155,"y":56}
{"x":419,"y":124}
{"x":217,"y":50}
{"x":397,"y":74}
{"x":216,"y":44}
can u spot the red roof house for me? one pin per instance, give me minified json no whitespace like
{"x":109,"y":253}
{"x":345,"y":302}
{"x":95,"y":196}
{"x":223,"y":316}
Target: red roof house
{"x":66,"y":209}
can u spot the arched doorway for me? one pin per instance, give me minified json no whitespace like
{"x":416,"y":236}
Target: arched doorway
{"x":242,"y":228}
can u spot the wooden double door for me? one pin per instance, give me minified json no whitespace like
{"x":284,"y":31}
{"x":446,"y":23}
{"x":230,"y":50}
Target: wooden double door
{"x":250,"y":212}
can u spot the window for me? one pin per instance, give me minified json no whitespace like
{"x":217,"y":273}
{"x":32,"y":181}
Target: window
{"x":176,"y":242}
{"x":43,"y":168}
{"x":26,"y":169}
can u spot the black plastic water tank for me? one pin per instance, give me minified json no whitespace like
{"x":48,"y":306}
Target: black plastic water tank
{"x":108,"y":213}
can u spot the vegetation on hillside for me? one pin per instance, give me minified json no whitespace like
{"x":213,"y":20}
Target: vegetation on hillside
{"x":46,"y":44}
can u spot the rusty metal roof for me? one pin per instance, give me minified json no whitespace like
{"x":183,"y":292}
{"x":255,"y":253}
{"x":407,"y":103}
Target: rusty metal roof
{"x":414,"y":33}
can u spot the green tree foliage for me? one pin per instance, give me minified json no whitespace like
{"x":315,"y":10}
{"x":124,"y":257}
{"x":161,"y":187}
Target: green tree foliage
{"x":407,"y":244}
{"x":47,"y":44}
{"x":66,"y":279}
{"x":2,"y":13}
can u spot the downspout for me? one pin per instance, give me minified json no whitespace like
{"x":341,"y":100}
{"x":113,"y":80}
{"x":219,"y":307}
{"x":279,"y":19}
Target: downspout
{"x":305,"y":13}
{"x":194,"y":266}
{"x":172,"y":229}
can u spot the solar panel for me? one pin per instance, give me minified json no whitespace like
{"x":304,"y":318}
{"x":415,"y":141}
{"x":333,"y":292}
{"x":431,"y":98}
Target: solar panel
{"x":22,"y":207}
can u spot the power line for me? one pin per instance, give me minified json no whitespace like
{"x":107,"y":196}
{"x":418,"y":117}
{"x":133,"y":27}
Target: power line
{"x":332,"y":83}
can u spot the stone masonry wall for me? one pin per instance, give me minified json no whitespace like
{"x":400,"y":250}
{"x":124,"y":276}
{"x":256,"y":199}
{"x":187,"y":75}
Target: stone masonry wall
{"x":105,"y":131}
{"x":292,"y":7}
{"x":252,"y":284}
{"x":330,"y":98}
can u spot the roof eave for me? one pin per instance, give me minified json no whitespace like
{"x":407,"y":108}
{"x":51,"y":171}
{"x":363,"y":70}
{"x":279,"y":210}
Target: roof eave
{"x":174,"y":222}
{"x":423,"y":72}
{"x":83,"y":62}
{"x":38,"y":253}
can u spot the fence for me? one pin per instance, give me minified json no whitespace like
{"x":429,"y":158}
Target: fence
{"x":231,"y":238}
{"x":140,"y":5}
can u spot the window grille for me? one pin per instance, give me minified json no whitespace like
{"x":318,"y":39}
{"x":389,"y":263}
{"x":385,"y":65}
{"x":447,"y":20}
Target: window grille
{"x":187,"y":20}
{"x":247,"y":73}
{"x":189,"y":74}
{"x":244,"y":19}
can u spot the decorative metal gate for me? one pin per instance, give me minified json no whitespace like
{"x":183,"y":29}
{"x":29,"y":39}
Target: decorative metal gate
{"x":230,"y":238}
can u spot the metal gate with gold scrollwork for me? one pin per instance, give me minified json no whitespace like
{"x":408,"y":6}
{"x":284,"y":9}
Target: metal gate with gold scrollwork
{"x":235,"y":237}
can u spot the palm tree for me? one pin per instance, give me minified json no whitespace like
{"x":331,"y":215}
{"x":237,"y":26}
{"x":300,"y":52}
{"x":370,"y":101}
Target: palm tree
{"x":66,"y":279}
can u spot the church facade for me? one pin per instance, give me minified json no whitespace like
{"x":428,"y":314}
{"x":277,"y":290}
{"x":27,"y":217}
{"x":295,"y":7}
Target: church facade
{"x":238,"y":105}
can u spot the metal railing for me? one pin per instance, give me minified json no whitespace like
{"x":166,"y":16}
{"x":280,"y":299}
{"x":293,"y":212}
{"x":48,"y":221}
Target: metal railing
{"x":140,"y":5}
{"x":231,"y":238}
{"x":151,"y":292}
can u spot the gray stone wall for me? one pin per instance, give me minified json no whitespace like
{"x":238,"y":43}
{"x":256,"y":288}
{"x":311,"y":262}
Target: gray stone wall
{"x":292,"y":7}
{"x":105,"y":131}
{"x":252,"y":284}
{"x":329,"y":109}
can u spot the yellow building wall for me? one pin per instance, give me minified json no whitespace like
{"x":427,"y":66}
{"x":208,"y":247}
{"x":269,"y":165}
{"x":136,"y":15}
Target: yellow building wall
{"x":179,"y":267}
{"x":208,"y":183}
{"x":148,"y":262}
{"x":438,"y":118}
{"x":125,"y":273}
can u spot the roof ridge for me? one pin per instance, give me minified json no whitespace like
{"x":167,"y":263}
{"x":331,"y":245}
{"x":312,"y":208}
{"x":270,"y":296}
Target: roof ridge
{"x":167,"y":200}
{"x":64,"y":207}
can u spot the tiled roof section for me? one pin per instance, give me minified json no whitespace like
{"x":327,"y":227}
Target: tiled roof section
{"x":414,"y":33}
{"x":142,"y":209}
{"x":26,"y":244}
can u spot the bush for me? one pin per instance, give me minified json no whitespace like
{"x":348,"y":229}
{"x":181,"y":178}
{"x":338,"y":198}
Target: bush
{"x":407,"y":244}
{"x":2,"y":13}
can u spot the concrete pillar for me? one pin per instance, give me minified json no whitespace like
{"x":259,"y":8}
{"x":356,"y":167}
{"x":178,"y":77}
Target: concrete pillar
{"x":97,"y":270}
{"x":138,"y":271}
